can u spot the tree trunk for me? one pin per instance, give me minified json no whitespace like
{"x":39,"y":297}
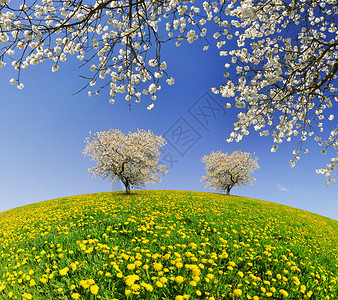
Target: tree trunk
{"x":127,"y":184}
{"x":228,"y":190}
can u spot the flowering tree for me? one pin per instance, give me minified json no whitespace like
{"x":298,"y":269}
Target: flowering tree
{"x":131,"y":158}
{"x":281,"y":72}
{"x":225,"y":171}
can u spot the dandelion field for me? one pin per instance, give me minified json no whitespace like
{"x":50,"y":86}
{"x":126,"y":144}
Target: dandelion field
{"x":166,"y":245}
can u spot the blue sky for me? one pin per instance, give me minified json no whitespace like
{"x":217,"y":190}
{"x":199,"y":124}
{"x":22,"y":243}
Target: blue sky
{"x":43,"y":128}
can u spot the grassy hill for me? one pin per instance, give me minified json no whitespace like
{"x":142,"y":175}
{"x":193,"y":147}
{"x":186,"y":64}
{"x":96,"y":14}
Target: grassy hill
{"x":166,"y":245}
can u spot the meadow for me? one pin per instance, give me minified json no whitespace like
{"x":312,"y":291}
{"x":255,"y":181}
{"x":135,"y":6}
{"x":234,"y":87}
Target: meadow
{"x":166,"y":245}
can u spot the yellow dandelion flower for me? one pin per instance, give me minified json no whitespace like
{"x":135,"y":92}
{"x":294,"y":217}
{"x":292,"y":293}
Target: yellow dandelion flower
{"x":131,"y":266}
{"x":193,"y":245}
{"x":268,"y":294}
{"x":159,"y":284}
{"x":135,"y":287}
{"x":193,"y":283}
{"x":64,"y":271}
{"x":302,"y":288}
{"x":75,"y":296}
{"x":32,"y":282}
{"x":129,"y":280}
{"x":148,"y":287}
{"x":255,"y":298}
{"x":43,"y":280}
{"x":84,"y":284}
{"x":157,"y":266}
{"x":296,"y":280}
{"x":240,"y":274}
{"x":237,"y":292}
{"x":127,"y":292}
{"x":179,"y":297}
{"x":145,"y":267}
{"x":179,"y":279}
{"x":137,"y":263}
{"x":198,"y":293}
{"x":94,"y":289}
{"x":163,"y":280}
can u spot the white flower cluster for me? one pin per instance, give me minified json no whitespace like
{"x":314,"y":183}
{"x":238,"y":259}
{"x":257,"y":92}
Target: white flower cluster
{"x":225,"y":171}
{"x":282,"y":74}
{"x":132,"y":158}
{"x":286,"y":83}
{"x":113,"y":38}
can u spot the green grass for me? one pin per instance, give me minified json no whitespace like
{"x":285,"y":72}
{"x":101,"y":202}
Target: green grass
{"x":166,"y":245}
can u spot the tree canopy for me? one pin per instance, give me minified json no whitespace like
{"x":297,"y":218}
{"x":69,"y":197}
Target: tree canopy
{"x":132,"y":158}
{"x":225,"y":171}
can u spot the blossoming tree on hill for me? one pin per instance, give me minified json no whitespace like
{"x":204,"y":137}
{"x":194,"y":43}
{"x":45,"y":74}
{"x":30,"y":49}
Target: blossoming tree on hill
{"x":131,"y":158}
{"x":225,"y":171}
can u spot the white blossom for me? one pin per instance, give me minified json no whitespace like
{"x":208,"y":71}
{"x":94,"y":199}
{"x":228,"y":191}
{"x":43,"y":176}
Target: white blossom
{"x":152,"y":88}
{"x":163,"y":65}
{"x":55,"y":68}
{"x":170,"y":81}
